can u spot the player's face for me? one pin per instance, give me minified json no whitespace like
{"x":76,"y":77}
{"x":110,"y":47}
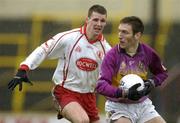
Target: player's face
{"x":95,"y":24}
{"x":126,"y":37}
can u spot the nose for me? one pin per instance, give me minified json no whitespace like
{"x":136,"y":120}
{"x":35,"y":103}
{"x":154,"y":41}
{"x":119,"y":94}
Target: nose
{"x":99,"y":23}
{"x":119,"y":33}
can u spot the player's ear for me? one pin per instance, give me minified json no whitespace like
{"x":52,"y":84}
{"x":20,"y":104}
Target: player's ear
{"x":87,"y":19}
{"x":138,"y":35}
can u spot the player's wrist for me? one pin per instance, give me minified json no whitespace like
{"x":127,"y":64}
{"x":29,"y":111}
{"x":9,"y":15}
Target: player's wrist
{"x":24,"y":67}
{"x":21,"y":73}
{"x":151,"y":81}
{"x":125,"y":93}
{"x":121,"y":93}
{"x":118,"y":93}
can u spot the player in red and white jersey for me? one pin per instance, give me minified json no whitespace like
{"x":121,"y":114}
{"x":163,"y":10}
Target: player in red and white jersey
{"x":79,"y":52}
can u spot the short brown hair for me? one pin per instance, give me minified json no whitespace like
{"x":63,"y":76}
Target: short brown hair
{"x":97,"y":8}
{"x":135,"y":22}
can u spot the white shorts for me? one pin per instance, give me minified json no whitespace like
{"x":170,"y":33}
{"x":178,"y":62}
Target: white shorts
{"x":137,"y":113}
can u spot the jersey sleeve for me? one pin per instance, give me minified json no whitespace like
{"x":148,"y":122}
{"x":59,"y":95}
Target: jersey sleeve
{"x":35,"y":58}
{"x":51,"y":49}
{"x":55,"y":46}
{"x":104,"y":84}
{"x":157,"y":69}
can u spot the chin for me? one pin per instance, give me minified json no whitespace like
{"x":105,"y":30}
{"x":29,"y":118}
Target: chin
{"x":122,"y":46}
{"x":96,"y":34}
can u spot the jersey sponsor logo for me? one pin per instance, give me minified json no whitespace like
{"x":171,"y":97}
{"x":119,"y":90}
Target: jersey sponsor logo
{"x":86,"y":64}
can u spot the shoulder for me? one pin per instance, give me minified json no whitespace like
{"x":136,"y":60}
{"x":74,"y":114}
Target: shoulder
{"x":73,"y":32}
{"x":149,"y":51}
{"x":106,"y":44}
{"x":114,"y":51}
{"x":112,"y":56}
{"x":147,"y":48}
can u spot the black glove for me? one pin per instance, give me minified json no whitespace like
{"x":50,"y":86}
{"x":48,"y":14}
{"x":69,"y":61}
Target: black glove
{"x":148,"y":86}
{"x":134,"y":94}
{"x":20,"y":77}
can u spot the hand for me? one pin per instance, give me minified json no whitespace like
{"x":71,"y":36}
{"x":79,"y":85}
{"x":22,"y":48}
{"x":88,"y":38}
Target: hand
{"x":20,"y":77}
{"x":148,"y":86}
{"x":133,"y":93}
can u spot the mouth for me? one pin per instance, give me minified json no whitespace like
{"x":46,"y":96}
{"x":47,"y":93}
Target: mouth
{"x":122,"y":40}
{"x":96,"y":29}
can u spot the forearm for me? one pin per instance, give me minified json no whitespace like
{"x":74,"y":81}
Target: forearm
{"x":35,"y":58}
{"x":159,"y":78}
{"x":106,"y":89}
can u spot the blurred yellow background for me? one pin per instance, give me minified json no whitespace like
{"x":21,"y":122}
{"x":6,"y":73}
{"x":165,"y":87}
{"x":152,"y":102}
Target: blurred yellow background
{"x":25,"y":24}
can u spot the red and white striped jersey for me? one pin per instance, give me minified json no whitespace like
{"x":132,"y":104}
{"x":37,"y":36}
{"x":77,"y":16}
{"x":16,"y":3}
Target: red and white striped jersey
{"x":78,"y":59}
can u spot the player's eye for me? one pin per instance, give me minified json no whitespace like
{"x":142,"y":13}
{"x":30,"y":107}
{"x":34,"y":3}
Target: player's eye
{"x":123,"y":32}
{"x":103,"y":20}
{"x":96,"y":19}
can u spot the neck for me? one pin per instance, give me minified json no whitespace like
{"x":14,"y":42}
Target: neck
{"x":90,"y":36}
{"x":132,"y":50}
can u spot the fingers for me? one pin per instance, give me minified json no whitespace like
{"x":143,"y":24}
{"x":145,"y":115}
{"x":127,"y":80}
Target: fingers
{"x":147,"y":91}
{"x":146,"y":84}
{"x":12,"y":84}
{"x":134,"y":94}
{"x":30,"y":82}
{"x":135,"y":86}
{"x":20,"y":86}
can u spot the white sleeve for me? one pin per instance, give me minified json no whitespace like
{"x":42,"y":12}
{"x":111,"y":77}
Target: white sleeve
{"x":51,"y":49}
{"x":55,"y":47}
{"x":35,"y":58}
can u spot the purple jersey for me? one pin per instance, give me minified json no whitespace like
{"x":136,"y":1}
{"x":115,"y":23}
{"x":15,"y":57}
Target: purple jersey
{"x":117,"y":63}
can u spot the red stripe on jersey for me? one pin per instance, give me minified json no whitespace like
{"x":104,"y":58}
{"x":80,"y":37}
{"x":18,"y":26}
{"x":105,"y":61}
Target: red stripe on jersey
{"x":102,"y":47}
{"x":60,"y":39}
{"x":66,"y":71}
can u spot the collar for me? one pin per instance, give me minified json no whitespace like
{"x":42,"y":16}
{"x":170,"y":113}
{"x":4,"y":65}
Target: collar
{"x":140,"y":49}
{"x":83,"y":31}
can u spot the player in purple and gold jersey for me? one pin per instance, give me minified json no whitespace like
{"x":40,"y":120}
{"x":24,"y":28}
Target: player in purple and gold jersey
{"x":130,"y":56}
